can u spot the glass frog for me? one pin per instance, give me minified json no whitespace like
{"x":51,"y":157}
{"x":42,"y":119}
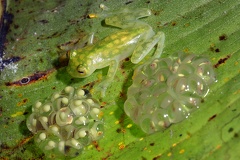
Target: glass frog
{"x":135,"y":38}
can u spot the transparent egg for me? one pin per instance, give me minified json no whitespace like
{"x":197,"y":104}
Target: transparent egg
{"x":66,"y":122}
{"x":168,"y":90}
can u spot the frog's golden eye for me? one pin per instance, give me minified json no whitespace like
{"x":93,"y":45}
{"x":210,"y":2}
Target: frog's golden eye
{"x":81,"y":70}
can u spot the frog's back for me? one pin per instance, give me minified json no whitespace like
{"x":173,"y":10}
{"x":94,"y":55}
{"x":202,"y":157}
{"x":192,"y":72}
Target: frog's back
{"x":116,"y":43}
{"x":124,"y":36}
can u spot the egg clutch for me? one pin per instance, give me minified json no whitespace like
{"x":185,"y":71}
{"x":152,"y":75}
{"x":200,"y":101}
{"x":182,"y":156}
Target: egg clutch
{"x":167,"y":90}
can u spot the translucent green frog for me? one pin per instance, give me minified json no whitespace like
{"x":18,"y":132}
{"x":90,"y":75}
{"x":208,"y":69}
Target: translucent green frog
{"x":135,"y":39}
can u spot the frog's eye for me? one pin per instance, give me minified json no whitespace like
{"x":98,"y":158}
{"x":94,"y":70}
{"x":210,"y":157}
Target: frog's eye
{"x":81,"y":70}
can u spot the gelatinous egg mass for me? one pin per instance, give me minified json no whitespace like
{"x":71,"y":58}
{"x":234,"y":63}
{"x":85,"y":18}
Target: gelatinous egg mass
{"x":66,"y":122}
{"x":167,"y":90}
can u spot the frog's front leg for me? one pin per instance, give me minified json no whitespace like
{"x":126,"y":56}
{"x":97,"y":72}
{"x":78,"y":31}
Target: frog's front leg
{"x":142,"y":49}
{"x":102,"y":87}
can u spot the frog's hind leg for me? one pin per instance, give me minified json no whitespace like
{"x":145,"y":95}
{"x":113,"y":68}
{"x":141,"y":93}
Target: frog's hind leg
{"x":122,"y":18}
{"x":79,"y":43}
{"x":127,"y":18}
{"x":142,"y":49}
{"x":67,"y":47}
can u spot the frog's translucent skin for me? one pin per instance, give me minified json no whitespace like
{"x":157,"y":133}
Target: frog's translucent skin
{"x":135,"y":38}
{"x":67,"y":122}
{"x":167,"y":90}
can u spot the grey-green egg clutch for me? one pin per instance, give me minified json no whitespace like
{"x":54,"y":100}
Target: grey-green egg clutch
{"x":167,"y":90}
{"x":66,"y":122}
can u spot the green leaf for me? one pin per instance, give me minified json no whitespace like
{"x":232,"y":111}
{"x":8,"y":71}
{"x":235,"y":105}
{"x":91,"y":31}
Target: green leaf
{"x":206,"y":27}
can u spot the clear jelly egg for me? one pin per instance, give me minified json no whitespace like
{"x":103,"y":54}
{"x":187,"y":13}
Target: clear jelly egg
{"x":66,"y":122}
{"x":167,"y":90}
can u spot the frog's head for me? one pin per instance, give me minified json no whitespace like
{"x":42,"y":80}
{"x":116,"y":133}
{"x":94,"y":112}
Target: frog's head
{"x":79,"y":68}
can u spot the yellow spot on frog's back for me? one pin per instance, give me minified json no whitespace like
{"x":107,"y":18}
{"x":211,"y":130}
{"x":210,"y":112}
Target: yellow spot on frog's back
{"x":122,"y":33}
{"x":82,"y":56}
{"x":107,"y":39}
{"x":117,"y":122}
{"x":113,"y":36}
{"x":129,"y":126}
{"x":169,"y":154}
{"x":123,"y":38}
{"x":140,"y":139}
{"x":109,"y":45}
{"x":17,"y":114}
{"x":181,"y":151}
{"x":105,"y":53}
{"x":88,"y":62}
{"x":116,"y":41}
{"x":236,"y":63}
